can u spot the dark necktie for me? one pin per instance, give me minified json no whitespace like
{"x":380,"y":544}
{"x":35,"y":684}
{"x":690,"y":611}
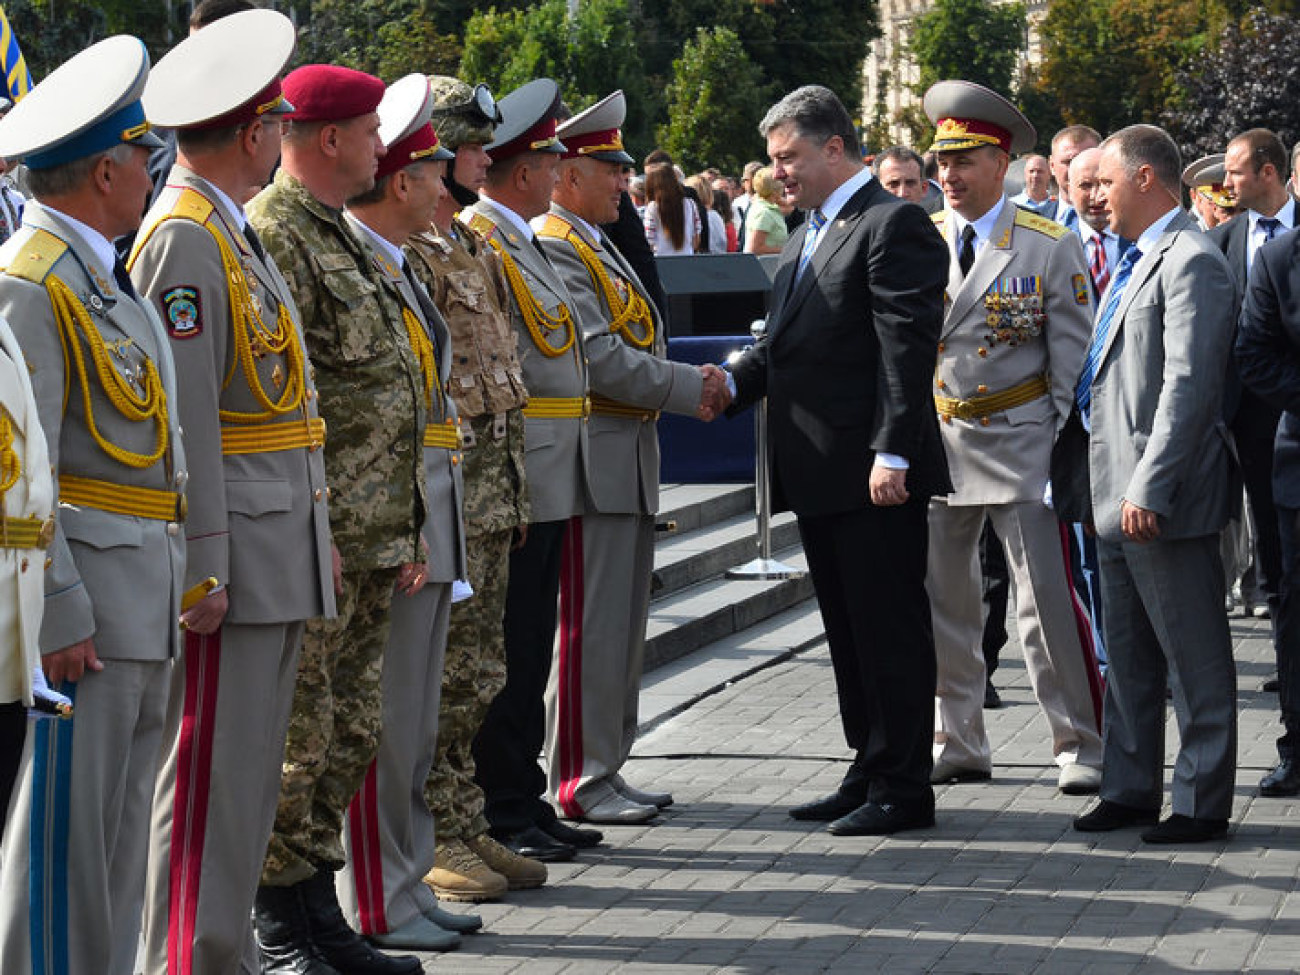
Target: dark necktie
{"x":1097,"y":264}
{"x":1270,"y":226}
{"x":1083,"y":390}
{"x":966,"y":256}
{"x":254,"y":242}
{"x":537,"y":243}
{"x":123,"y":279}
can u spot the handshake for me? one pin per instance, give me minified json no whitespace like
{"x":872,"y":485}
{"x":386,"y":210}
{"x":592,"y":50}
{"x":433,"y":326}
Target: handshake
{"x":714,"y":397}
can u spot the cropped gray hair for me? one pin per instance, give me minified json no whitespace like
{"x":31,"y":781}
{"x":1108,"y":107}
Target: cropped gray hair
{"x":816,"y":114}
{"x":1149,"y":145}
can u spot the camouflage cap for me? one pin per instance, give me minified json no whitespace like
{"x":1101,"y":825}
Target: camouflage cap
{"x":454,"y":118}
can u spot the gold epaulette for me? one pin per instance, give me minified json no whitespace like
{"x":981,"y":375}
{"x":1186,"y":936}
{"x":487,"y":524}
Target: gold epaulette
{"x":937,"y":217}
{"x":192,"y":205}
{"x":555,"y":227}
{"x":37,"y":257}
{"x":482,"y":225}
{"x":1033,"y":221}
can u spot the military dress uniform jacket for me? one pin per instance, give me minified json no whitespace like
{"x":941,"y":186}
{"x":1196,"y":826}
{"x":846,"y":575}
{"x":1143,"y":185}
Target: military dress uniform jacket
{"x":258,"y":518}
{"x":101,"y":560}
{"x":30,"y":498}
{"x":371,"y":389}
{"x":1018,"y":323}
{"x":444,"y":486}
{"x":463,"y":276}
{"x":555,"y":370}
{"x":630,"y":376}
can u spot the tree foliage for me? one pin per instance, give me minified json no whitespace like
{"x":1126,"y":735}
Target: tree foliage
{"x":389,"y":38}
{"x":715,"y":103}
{"x":973,"y":40}
{"x":1248,"y":78}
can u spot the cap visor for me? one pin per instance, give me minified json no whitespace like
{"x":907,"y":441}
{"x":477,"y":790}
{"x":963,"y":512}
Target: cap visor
{"x":282,"y":107}
{"x":147,"y":140}
{"x":613,"y":156}
{"x":443,"y":155}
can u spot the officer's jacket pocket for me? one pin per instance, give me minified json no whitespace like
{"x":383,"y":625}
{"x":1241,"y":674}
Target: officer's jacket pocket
{"x":539,"y":433}
{"x":1035,"y":411}
{"x":100,"y":529}
{"x":352,"y":293}
{"x":253,"y":498}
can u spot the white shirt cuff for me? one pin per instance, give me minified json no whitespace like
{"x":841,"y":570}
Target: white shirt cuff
{"x":891,"y":461}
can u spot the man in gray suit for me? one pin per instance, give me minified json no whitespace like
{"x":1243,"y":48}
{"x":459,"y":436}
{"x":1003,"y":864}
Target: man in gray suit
{"x":1158,"y":458}
{"x":101,"y":371}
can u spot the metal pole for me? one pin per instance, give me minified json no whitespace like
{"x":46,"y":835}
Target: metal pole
{"x":763,"y":567}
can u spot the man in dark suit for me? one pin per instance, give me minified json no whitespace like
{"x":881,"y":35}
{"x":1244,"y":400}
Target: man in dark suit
{"x":1158,"y":458}
{"x":1255,"y":173}
{"x":846,"y":367}
{"x":1268,"y":359}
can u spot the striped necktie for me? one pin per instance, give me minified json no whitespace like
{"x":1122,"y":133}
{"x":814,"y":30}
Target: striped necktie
{"x":1097,"y":264}
{"x":1083,"y":391}
{"x":816,"y":220}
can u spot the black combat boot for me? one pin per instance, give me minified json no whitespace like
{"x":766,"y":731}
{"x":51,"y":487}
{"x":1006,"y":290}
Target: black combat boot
{"x":342,"y":947}
{"x":283,"y":941}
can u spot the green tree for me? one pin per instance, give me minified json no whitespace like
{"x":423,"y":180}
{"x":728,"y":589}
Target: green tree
{"x":389,"y":38}
{"x":973,"y":40}
{"x":715,"y":102}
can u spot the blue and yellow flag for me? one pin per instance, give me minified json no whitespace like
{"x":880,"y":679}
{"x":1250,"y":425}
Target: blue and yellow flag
{"x":18,"y":80}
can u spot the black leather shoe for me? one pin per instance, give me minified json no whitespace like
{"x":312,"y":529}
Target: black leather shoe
{"x":337,"y":943}
{"x":1186,"y":829}
{"x":881,"y":819}
{"x":1107,"y":816}
{"x":283,"y":938}
{"x":826,"y":808}
{"x":1283,"y":781}
{"x":582,"y":839}
{"x":536,"y":844}
{"x":992,"y":699}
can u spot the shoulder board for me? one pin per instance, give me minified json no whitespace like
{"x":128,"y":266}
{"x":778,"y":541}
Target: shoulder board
{"x":482,"y":224}
{"x":192,"y":205}
{"x":1033,"y":221}
{"x":556,"y":227}
{"x":37,"y":256}
{"x":938,"y":216}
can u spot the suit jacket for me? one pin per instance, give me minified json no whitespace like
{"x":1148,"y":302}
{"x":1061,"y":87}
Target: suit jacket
{"x":848,"y":359}
{"x":444,"y":488}
{"x":113,"y":577}
{"x":31,"y":495}
{"x":1158,"y":440}
{"x":1030,"y":278}
{"x":624,"y":459}
{"x":556,"y":447}
{"x":1247,"y":414}
{"x":258,"y":522}
{"x":1268,"y":352}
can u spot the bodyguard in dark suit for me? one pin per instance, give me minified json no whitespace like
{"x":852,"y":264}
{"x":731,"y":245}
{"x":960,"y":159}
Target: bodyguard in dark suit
{"x":846,"y":367}
{"x":1268,"y":359}
{"x":1255,"y":171}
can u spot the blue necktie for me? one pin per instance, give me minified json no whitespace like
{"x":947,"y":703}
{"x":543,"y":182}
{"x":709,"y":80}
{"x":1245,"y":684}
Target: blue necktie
{"x":816,"y":220}
{"x":1083,"y":391}
{"x":1270,"y":226}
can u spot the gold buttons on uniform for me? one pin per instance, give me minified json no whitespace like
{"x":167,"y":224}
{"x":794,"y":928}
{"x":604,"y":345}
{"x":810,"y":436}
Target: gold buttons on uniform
{"x":981,"y":388}
{"x":982,"y":351}
{"x":318,"y":494}
{"x":984,"y":421}
{"x":23,"y":567}
{"x":173,"y":529}
{"x":941,"y":384}
{"x":940,"y":346}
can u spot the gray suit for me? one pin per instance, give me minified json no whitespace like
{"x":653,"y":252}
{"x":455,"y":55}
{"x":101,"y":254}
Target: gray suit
{"x":591,"y":700}
{"x":113,"y":577}
{"x":258,"y":523}
{"x":390,"y":830}
{"x":1158,"y":442}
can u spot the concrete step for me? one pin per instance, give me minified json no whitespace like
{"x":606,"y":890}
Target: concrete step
{"x":693,"y":506}
{"x":684,"y":559}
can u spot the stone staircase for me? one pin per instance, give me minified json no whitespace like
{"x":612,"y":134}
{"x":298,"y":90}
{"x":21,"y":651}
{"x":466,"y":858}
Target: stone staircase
{"x":693,"y":605}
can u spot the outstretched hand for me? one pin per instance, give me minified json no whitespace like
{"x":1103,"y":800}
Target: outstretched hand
{"x":714,"y":397}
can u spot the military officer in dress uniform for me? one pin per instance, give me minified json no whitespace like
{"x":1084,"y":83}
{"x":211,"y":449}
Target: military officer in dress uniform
{"x":372,"y":397}
{"x":591,"y":701}
{"x":390,"y":828}
{"x":465,"y":279}
{"x":258,"y":527}
{"x":525,"y":157}
{"x":1212,"y":203}
{"x":101,"y":370}
{"x":1017,"y":319}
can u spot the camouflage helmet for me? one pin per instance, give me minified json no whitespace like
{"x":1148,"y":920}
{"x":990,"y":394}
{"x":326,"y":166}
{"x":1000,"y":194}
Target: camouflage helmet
{"x":454,"y":117}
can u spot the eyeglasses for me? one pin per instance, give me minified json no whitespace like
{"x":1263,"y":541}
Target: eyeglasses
{"x":480,"y":102}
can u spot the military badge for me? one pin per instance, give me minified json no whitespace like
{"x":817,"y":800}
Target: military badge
{"x":1014,"y":310}
{"x":1080,"y":289}
{"x":182,"y":309}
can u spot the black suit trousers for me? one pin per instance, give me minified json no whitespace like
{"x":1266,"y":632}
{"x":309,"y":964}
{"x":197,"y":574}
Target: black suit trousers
{"x":868,"y":568}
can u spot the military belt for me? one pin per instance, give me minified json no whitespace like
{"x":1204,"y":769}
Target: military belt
{"x":558,"y":407}
{"x":978,"y":407}
{"x":608,"y":407}
{"x":26,"y":532}
{"x":270,"y":437}
{"x":446,"y":435}
{"x":122,"y":499}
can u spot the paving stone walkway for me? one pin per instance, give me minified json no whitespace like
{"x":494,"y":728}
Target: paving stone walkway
{"x":726,"y":882}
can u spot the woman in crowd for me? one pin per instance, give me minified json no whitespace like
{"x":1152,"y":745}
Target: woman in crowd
{"x":672,"y":222}
{"x":717,"y":229}
{"x":765,"y":231}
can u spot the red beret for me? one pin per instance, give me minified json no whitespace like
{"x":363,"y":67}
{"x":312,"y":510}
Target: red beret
{"x":329,"y":93}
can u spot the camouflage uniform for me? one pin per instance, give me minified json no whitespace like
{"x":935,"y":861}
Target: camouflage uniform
{"x":371,"y":396}
{"x":465,"y":280}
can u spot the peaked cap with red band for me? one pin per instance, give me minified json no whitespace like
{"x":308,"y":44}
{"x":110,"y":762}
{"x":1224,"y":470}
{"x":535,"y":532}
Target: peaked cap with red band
{"x":969,"y":116}
{"x":594,"y":133}
{"x":527,"y":121}
{"x":330,"y":93}
{"x":1205,"y":177}
{"x":404,"y":127}
{"x":225,"y":75}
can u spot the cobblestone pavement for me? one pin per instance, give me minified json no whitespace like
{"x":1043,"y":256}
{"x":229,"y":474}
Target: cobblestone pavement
{"x":725,"y":882}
